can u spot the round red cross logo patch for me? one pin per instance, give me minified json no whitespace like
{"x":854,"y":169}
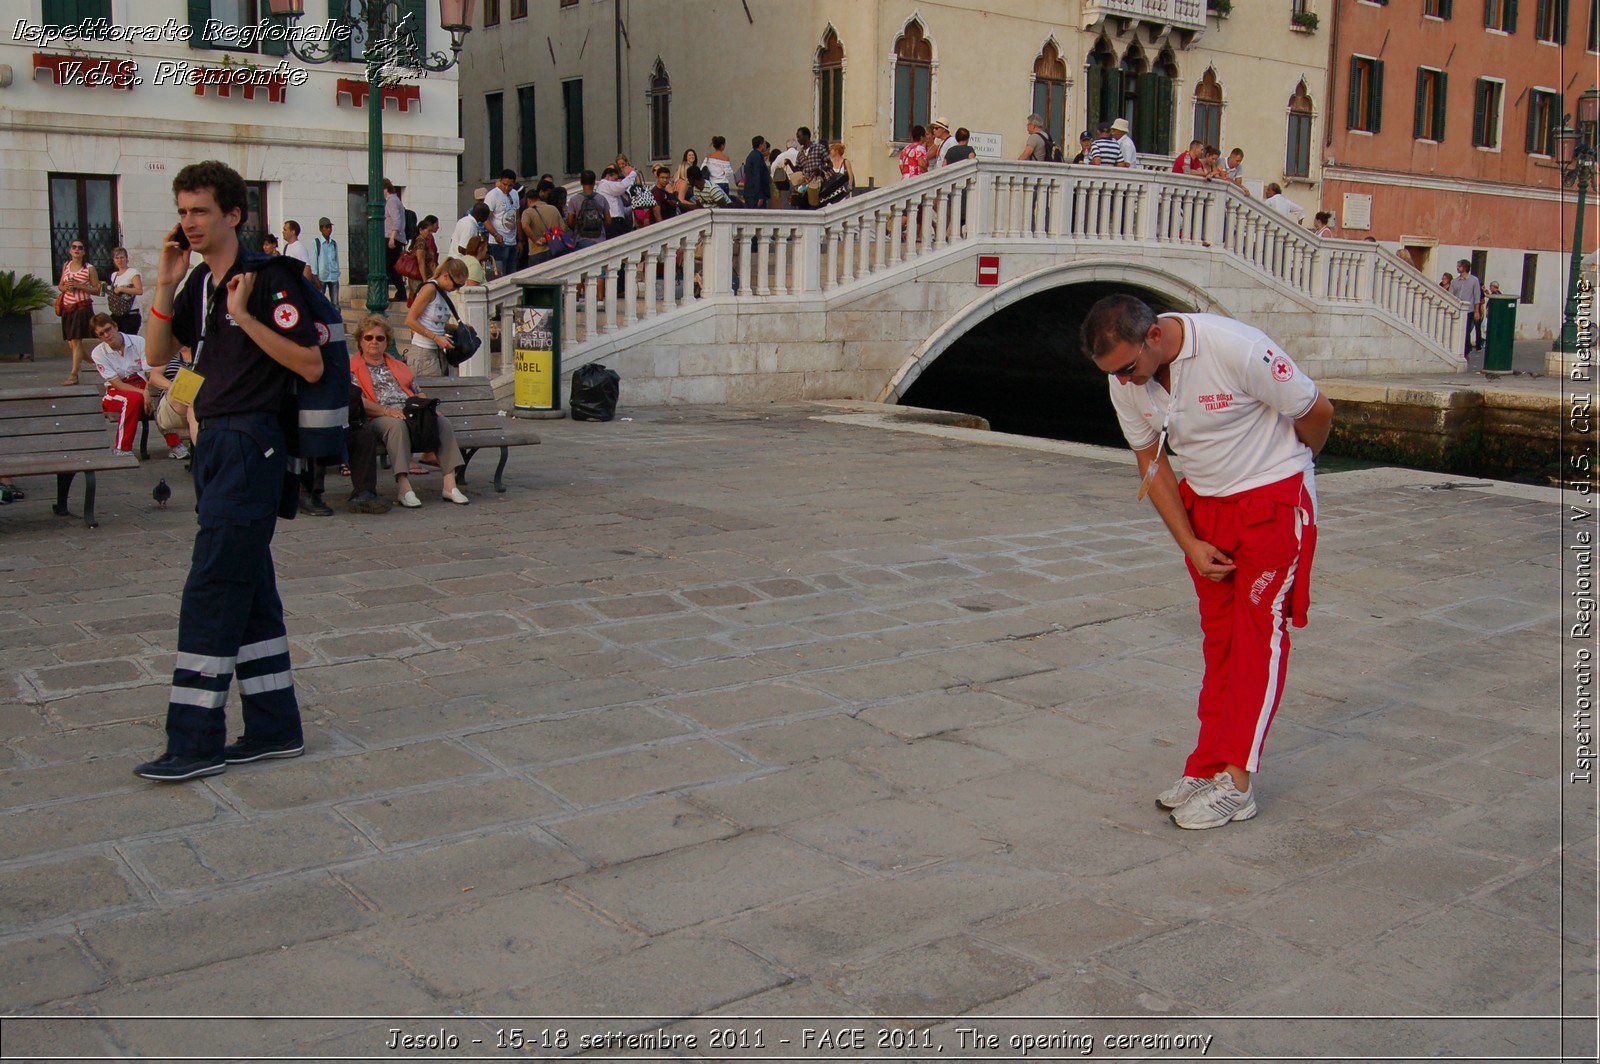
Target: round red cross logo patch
{"x":287,"y":315}
{"x":1282,"y":369}
{"x":322,"y":334}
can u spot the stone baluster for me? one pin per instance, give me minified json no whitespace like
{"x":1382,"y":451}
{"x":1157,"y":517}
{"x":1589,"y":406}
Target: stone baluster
{"x":808,"y":259}
{"x":648,"y":283}
{"x":569,"y":313}
{"x":591,"y":310}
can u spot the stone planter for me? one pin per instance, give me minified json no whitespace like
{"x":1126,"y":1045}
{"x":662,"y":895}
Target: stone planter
{"x":16,"y":335}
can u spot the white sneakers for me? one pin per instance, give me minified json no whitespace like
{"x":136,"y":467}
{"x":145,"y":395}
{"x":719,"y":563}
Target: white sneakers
{"x":1186,"y":787}
{"x":1217,"y":802}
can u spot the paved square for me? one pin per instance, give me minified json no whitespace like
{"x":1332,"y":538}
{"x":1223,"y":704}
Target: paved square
{"x":756,"y":711}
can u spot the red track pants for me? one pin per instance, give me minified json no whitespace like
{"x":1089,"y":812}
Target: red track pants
{"x":127,"y":406}
{"x":1270,"y":533}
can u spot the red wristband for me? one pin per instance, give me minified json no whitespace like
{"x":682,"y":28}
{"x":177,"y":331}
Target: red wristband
{"x":154,"y":313}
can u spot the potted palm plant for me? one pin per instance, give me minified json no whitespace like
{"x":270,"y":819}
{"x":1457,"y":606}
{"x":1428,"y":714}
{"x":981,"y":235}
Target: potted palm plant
{"x":20,"y":296}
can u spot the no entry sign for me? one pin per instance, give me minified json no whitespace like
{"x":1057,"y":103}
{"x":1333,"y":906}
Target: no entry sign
{"x":988,"y":271}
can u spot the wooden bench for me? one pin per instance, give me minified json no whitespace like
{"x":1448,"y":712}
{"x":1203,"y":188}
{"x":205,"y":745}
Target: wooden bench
{"x":61,"y":431}
{"x":468,"y":403}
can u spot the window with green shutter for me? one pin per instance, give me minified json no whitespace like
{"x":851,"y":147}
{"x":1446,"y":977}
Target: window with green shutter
{"x":527,"y":138}
{"x":1550,"y":21}
{"x":495,"y":121}
{"x":1428,"y":122}
{"x":1544,"y":117}
{"x":59,"y":13}
{"x":1365,"y":111}
{"x":1500,"y":15}
{"x":1486,"y":97}
{"x":244,"y":14}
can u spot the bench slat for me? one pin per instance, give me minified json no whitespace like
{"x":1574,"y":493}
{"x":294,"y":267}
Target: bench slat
{"x":35,"y":465}
{"x":486,"y":438}
{"x":39,"y":426}
{"x":26,"y":408}
{"x":68,"y":392}
{"x":26,"y":445}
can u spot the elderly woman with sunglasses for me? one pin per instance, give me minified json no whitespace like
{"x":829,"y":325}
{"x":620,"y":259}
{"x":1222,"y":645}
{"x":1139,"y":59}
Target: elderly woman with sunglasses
{"x":386,"y":383}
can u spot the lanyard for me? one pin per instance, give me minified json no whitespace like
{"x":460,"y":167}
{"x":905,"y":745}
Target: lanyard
{"x":1166,"y":422}
{"x":205,"y":320}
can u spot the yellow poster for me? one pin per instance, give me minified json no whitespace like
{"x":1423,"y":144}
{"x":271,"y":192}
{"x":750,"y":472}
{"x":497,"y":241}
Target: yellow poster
{"x":534,"y":364}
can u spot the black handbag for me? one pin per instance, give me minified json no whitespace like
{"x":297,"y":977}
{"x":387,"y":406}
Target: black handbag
{"x":463,"y":337}
{"x":422,"y":423}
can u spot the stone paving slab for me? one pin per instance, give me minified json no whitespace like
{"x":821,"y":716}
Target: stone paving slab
{"x":751,"y":712}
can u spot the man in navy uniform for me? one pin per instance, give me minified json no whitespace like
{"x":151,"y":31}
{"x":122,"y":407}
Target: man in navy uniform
{"x":252,"y":331}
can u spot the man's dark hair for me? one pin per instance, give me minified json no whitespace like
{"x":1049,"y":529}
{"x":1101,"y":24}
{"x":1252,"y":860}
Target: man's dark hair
{"x":508,"y":175}
{"x":1103,"y":128}
{"x":611,"y":172}
{"x":963,"y":135}
{"x":432,"y":219}
{"x":803,"y":133}
{"x":1465,"y":262}
{"x":586,"y":178}
{"x":1113,"y":320}
{"x":756,"y":142}
{"x":480,"y":211}
{"x":293,"y":225}
{"x":917,"y":132}
{"x":694,"y":174}
{"x":226,"y":186}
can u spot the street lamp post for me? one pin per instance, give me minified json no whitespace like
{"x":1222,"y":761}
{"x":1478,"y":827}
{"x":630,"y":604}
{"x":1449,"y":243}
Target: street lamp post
{"x":1576,"y":149}
{"x":390,"y":42}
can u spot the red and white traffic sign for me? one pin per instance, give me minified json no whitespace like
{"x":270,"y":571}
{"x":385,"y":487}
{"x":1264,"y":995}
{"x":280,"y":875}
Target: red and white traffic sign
{"x":988,"y":271}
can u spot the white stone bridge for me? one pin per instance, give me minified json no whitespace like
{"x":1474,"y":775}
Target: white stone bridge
{"x":856,"y":300}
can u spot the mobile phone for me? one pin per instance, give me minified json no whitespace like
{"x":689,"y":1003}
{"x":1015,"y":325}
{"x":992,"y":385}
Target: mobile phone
{"x":181,"y":238}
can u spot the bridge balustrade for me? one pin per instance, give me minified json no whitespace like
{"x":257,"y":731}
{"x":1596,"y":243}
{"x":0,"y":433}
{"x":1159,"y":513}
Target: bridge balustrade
{"x":687,"y":266}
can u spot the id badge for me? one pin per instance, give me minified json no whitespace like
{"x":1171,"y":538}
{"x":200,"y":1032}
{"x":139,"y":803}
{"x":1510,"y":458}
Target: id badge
{"x":185,"y":386}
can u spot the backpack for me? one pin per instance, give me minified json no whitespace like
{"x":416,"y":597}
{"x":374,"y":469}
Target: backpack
{"x":411,"y":224}
{"x":1051,"y":152}
{"x":590,"y":220}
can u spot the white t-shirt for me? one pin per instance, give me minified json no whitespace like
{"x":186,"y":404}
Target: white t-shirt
{"x":297,"y":250}
{"x":118,"y":365}
{"x":1236,"y":395}
{"x":718,"y":171}
{"x":503,"y":217}
{"x":465,"y":229}
{"x":1130,"y":153}
{"x":1283,"y":203}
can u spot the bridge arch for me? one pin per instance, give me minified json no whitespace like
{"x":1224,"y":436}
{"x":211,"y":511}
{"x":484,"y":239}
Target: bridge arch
{"x":1168,"y":288}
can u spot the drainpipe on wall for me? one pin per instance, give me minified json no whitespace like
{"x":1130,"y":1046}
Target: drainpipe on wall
{"x":1333,"y":78}
{"x":616,"y":34}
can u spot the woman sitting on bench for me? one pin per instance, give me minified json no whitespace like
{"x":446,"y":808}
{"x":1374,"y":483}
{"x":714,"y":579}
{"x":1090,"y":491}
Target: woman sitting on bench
{"x":386,"y":383}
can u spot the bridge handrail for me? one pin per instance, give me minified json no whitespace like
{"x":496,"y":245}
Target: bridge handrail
{"x":719,"y":254}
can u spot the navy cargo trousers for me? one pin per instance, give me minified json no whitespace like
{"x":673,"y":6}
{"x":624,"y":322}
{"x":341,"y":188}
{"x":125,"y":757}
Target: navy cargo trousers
{"x":231,"y":619}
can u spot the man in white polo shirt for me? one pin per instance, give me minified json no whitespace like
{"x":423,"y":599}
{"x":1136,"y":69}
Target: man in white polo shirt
{"x":1247,"y":424}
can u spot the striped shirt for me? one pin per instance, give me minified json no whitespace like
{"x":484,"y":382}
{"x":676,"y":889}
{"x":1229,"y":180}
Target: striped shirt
{"x":1105,"y":151}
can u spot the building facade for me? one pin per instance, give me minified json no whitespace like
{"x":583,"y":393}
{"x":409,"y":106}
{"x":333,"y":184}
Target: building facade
{"x":93,"y":127}
{"x":1443,"y":141}
{"x":558,"y":86}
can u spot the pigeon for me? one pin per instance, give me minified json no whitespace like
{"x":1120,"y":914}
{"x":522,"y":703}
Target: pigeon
{"x":161,"y":493}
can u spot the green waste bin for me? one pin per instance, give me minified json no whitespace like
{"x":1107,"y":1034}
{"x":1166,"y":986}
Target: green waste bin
{"x":1502,"y":330}
{"x":536,"y":351}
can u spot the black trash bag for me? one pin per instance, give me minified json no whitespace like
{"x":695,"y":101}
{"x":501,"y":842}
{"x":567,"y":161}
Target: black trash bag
{"x":594,"y":393}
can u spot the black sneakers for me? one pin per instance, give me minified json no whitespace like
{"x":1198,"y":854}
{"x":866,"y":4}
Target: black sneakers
{"x":245,"y":750}
{"x":170,"y":769}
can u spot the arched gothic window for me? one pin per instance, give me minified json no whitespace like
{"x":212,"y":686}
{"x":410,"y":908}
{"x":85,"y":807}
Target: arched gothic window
{"x":660,"y":113}
{"x":830,"y":88}
{"x":1297,"y":156}
{"x":1208,"y":110}
{"x":913,"y":80}
{"x":1050,"y":92}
